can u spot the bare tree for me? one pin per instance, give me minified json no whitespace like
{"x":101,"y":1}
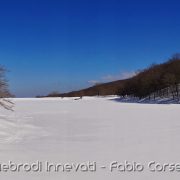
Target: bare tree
{"x":4,"y":92}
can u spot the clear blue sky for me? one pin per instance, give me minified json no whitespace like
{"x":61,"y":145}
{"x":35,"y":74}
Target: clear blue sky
{"x":60,"y":45}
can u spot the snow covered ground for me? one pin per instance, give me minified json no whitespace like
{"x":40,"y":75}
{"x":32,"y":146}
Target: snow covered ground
{"x":100,"y":130}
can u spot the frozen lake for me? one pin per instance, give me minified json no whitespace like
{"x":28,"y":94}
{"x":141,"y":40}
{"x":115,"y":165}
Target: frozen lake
{"x":95,"y":130}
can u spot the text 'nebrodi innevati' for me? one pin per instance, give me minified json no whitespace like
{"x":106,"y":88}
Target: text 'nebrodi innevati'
{"x":89,"y":166}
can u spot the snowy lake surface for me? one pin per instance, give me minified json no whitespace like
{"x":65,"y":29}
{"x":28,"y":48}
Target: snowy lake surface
{"x":100,"y":130}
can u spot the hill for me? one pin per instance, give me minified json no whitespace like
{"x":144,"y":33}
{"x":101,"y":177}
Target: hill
{"x":152,"y":79}
{"x":97,"y":90}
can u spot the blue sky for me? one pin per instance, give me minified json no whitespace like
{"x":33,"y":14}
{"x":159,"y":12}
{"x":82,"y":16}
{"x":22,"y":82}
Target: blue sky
{"x":63,"y":45}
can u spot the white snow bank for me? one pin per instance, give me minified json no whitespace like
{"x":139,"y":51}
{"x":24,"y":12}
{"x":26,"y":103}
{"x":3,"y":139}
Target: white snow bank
{"x":157,"y":100}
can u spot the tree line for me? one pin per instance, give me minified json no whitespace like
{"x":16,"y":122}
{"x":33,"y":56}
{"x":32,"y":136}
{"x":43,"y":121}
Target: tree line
{"x":161,"y":79}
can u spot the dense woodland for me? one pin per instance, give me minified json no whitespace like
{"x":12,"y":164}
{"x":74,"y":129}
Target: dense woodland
{"x":156,"y":80}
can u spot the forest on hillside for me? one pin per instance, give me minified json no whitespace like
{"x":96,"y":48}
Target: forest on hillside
{"x":161,"y":79}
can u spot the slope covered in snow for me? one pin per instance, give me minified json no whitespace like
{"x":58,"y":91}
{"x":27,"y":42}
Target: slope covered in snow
{"x":100,"y":130}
